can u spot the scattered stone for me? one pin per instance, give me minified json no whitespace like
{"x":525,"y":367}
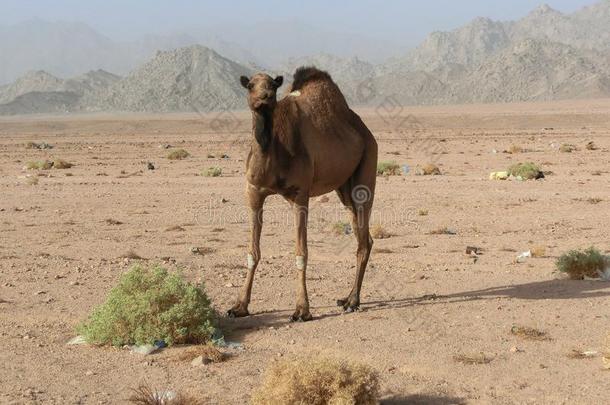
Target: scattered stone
{"x":200,"y":361}
{"x":77,"y":340}
{"x":323,"y":199}
{"x":150,"y":166}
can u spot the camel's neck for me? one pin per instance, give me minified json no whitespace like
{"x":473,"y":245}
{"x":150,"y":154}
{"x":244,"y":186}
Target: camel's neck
{"x":262,"y":127}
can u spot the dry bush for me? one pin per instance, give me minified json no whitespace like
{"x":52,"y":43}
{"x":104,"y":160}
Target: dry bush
{"x":538,"y":251}
{"x":212,"y":172}
{"x":61,"y":164}
{"x":477,"y":358}
{"x":111,"y":221}
{"x":528,"y":333}
{"x":428,"y":170}
{"x":388,"y":169}
{"x":514,"y":149}
{"x":318,"y":381}
{"x":178,"y":154}
{"x":378,"y":232}
{"x":206,"y":351}
{"x":580,"y":264}
{"x":442,"y":231}
{"x":567,"y":148}
{"x":144,"y":395}
{"x":39,"y":165}
{"x":422,"y":213}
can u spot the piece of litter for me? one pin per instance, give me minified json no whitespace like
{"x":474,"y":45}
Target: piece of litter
{"x":78,"y":340}
{"x":406,"y":169}
{"x":522,"y":257}
{"x":147,"y":349}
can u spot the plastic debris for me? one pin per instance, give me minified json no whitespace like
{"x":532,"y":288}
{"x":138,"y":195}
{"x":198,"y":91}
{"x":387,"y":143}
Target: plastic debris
{"x":406,"y":169}
{"x":522,"y":257}
{"x":78,"y":340}
{"x":147,"y":349}
{"x":498,"y":176}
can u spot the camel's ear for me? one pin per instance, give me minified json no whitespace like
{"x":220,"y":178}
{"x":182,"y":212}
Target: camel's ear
{"x":278,"y":81}
{"x":244,"y":81}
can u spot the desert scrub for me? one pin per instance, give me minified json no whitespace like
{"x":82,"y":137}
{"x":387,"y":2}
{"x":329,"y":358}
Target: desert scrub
{"x":212,"y":172}
{"x":39,"y":165}
{"x":580,"y":264}
{"x":428,"y":170}
{"x":527,"y":171}
{"x":342,"y":228}
{"x":379,"y":232}
{"x":388,"y":169}
{"x":178,"y":154}
{"x":567,"y":148}
{"x":151,"y":304}
{"x":48,"y":164}
{"x":61,"y":164}
{"x":318,"y":381}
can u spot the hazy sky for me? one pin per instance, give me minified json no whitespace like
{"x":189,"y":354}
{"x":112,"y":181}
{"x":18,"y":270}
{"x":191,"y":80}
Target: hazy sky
{"x":407,"y":21}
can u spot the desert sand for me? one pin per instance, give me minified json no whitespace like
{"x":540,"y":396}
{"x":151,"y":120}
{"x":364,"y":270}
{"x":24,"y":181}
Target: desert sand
{"x":425,"y":301}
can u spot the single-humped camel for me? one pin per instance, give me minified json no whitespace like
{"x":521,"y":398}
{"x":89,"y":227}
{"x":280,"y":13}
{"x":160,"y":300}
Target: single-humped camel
{"x":307,"y":144}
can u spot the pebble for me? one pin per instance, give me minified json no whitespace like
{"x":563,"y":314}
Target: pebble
{"x":200,"y":361}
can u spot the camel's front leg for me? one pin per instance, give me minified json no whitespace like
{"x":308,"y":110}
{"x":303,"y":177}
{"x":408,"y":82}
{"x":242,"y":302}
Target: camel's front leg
{"x":256,"y":199}
{"x":301,"y":207}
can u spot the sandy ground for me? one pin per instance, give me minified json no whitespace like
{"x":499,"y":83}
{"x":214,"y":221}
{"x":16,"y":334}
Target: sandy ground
{"x":424,"y":300}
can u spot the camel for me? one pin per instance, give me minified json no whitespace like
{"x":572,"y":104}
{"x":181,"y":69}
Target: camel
{"x":305,"y":145}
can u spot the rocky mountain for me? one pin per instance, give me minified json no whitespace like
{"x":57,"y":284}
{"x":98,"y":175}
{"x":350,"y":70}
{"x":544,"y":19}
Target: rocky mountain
{"x":544,"y":56}
{"x":56,"y":94}
{"x":194,"y":78}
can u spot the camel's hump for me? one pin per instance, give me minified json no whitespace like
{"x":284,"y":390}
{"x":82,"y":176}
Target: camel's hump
{"x":307,"y":74}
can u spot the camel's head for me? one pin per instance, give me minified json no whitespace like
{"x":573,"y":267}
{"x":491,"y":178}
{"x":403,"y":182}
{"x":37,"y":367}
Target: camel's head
{"x":262,"y":90}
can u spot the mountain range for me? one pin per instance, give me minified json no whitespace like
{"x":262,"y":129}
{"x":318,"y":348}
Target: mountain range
{"x":546,"y":55}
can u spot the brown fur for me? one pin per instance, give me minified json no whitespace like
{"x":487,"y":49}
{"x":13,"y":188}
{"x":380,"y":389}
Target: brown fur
{"x":307,"y":144}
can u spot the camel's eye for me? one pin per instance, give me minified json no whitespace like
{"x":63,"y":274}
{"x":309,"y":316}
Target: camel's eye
{"x":250,"y":86}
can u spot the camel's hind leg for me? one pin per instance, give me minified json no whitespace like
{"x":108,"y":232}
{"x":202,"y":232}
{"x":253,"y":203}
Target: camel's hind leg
{"x":357,"y":194}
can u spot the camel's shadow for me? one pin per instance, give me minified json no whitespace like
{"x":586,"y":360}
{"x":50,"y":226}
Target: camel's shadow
{"x":422,"y":399}
{"x":539,"y":290}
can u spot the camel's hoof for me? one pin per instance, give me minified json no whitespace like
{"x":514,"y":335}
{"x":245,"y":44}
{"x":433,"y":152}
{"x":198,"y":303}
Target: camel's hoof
{"x":299,"y":316}
{"x":349,"y":305}
{"x":237,"y":312}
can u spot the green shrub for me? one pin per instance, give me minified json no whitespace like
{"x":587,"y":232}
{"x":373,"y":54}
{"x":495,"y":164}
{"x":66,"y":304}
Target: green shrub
{"x":149,"y":305}
{"x":212,"y":172}
{"x":579,"y":264}
{"x":388,"y":169}
{"x":527,"y":171}
{"x":178,"y":154}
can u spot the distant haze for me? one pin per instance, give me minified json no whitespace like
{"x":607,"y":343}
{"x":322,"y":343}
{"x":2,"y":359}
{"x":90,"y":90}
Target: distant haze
{"x":369,"y":29}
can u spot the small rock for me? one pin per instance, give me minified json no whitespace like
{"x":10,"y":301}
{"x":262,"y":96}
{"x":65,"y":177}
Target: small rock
{"x":78,"y":340}
{"x":89,"y":372}
{"x":323,"y":199}
{"x":200,"y":361}
{"x":229,"y":285}
{"x":292,"y":342}
{"x":224,"y":200}
{"x":150,"y":166}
